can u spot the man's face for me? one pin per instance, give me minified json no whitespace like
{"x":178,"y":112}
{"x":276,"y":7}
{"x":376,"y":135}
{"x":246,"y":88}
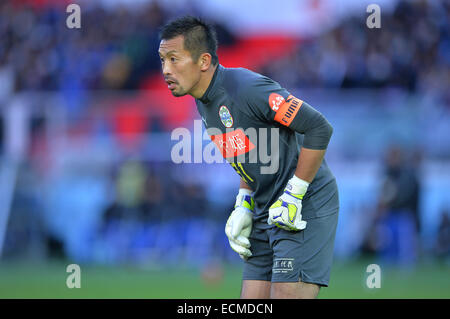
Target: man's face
{"x":180,"y":72}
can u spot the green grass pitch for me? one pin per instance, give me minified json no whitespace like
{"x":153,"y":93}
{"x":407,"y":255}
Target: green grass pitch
{"x":48,"y":280}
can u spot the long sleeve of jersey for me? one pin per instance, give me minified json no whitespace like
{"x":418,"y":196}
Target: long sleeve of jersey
{"x":270,"y":102}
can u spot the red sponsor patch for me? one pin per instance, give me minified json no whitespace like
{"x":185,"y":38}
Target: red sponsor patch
{"x":275,"y":101}
{"x":232,"y":144}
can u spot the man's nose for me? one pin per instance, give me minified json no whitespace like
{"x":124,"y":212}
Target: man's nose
{"x":166,"y":69}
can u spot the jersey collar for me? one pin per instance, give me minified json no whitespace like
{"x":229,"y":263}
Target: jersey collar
{"x":213,"y":86}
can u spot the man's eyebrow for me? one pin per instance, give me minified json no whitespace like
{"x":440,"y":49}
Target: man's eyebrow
{"x":170,"y":52}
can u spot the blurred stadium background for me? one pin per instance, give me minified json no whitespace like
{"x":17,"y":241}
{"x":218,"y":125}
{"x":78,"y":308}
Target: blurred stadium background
{"x":86,"y":175}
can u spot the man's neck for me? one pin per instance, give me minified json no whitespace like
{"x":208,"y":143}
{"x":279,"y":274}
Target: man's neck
{"x":204,"y":82}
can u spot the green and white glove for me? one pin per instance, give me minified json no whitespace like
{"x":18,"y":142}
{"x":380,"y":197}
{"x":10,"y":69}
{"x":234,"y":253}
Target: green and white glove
{"x":286,"y":211}
{"x":239,"y":224}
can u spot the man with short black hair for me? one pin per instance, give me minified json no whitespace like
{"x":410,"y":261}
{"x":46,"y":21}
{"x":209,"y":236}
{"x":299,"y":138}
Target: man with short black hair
{"x":284,"y":222}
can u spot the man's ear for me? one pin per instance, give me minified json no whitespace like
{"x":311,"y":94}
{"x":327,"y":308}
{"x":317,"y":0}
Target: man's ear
{"x":205,"y":61}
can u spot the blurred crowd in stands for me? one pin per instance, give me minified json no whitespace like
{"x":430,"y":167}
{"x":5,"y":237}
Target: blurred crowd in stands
{"x":114,"y":48}
{"x":117,"y":49}
{"x":132,"y":212}
{"x":411,"y":51}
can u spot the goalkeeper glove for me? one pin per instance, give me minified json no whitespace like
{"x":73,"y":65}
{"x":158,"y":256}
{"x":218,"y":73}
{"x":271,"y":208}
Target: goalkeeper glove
{"x":239,"y":224}
{"x":286,"y":211}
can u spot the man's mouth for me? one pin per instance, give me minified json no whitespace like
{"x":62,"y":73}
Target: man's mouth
{"x":170,"y":84}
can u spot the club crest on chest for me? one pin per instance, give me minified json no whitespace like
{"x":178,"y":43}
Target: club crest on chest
{"x":225,"y":116}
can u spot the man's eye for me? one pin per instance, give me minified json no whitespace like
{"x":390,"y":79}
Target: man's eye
{"x":172,"y":59}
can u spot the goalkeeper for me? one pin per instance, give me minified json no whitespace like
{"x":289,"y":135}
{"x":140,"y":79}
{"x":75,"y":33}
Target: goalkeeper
{"x":284,"y":221}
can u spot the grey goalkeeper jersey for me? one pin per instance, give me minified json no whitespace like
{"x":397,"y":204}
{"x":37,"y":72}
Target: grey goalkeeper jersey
{"x":259,"y":128}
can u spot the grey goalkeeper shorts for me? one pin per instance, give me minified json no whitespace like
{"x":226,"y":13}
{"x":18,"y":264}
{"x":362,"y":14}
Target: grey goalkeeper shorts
{"x":279,"y":255}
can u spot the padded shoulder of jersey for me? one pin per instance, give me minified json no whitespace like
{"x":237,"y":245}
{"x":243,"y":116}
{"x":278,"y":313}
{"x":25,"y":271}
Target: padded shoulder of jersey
{"x":239,"y":81}
{"x":242,"y":85}
{"x":252,"y":91}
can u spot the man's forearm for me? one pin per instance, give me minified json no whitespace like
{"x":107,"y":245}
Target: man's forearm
{"x":308,"y":163}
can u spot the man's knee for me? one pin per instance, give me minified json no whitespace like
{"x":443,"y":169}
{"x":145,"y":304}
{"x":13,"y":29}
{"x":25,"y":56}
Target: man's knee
{"x":255,"y":289}
{"x":294,"y":290}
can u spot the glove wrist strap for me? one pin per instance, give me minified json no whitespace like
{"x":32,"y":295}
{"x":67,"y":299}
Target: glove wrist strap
{"x":297,"y":186}
{"x":244,"y":198}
